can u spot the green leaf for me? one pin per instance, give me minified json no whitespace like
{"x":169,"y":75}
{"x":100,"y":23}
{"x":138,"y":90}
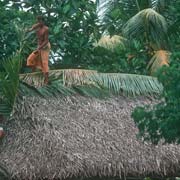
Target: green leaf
{"x":66,"y":8}
{"x":149,"y":23}
{"x":9,"y":81}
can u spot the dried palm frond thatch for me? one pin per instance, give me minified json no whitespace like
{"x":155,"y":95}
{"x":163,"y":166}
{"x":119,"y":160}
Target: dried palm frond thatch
{"x":159,"y":59}
{"x":69,"y":76}
{"x":111,"y":42}
{"x":118,"y":83}
{"x":82,"y":137}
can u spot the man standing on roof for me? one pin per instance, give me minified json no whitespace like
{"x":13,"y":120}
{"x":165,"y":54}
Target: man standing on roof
{"x":40,"y":57}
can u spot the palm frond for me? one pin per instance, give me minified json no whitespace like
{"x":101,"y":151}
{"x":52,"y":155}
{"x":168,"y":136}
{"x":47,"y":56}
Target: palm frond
{"x":69,"y":77}
{"x":111,"y":42}
{"x":154,"y":4}
{"x":128,"y":84}
{"x":102,"y":7}
{"x":159,"y":59}
{"x":35,"y":79}
{"x":128,"y":8}
{"x":147,"y":22}
{"x":26,"y":89}
{"x":91,"y":91}
{"x":77,"y":81}
{"x":55,"y":89}
{"x":77,"y":76}
{"x":157,"y":4}
{"x":9,"y":82}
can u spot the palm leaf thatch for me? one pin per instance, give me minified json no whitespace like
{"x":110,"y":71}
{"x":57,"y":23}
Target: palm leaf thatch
{"x":147,"y":22}
{"x":159,"y":59}
{"x":69,"y":77}
{"x":111,"y":42}
{"x":82,"y":137}
{"x":4,"y":174}
{"x":129,"y":84}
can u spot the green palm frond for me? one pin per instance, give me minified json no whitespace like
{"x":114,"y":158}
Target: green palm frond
{"x":147,"y":22}
{"x":157,"y":4}
{"x":9,"y":83}
{"x":55,"y":89}
{"x":102,"y":7}
{"x":159,"y":59}
{"x":128,"y":84}
{"x":114,"y":83}
{"x":91,"y":91}
{"x":27,"y":89}
{"x":128,"y":8}
{"x":111,"y":42}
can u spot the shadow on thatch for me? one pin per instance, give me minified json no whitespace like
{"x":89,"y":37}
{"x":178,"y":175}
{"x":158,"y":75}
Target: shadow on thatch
{"x":82,"y":137}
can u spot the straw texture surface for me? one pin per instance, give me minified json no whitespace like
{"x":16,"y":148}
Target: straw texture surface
{"x":82,"y":137}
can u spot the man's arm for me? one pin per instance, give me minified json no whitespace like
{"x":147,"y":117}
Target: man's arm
{"x":45,"y":40}
{"x":35,"y":26}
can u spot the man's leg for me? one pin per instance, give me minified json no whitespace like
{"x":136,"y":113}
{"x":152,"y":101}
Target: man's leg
{"x":33,"y":68}
{"x":45,"y":68}
{"x":46,"y":78}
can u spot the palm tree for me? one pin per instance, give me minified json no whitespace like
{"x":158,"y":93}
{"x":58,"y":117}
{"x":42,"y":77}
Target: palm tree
{"x":142,"y":20}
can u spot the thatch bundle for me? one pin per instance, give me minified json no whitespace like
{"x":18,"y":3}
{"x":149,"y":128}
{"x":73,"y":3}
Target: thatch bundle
{"x":82,"y":137}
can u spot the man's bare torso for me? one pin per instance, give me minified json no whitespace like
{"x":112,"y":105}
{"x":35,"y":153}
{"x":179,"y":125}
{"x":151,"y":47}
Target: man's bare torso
{"x":41,"y":34}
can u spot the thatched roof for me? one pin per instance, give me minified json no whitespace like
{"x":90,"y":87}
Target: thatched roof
{"x":77,"y":136}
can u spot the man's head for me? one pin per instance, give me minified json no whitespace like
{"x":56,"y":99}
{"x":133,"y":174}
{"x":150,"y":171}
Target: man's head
{"x":40,"y":20}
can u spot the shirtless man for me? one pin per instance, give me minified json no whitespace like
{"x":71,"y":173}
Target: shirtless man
{"x":43,"y":47}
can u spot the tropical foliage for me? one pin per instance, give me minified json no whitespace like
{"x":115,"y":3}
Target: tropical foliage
{"x":72,"y":26}
{"x":68,"y":82}
{"x":162,"y":121}
{"x":155,"y":24}
{"x":9,"y":82}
